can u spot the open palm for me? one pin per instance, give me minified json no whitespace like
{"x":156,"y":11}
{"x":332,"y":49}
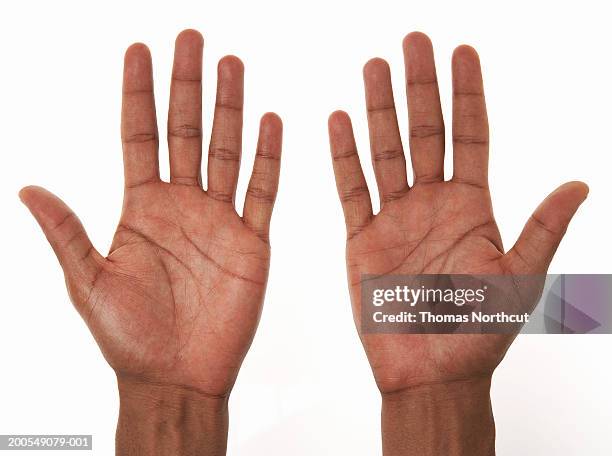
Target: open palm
{"x":178,"y":298}
{"x":436,"y":226}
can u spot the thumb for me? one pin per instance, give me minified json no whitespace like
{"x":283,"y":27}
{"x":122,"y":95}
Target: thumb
{"x":79,"y":259}
{"x":544,"y":230}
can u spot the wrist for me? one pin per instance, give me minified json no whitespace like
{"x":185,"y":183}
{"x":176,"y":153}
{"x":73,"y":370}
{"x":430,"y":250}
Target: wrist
{"x":451,"y":418}
{"x":170,"y":419}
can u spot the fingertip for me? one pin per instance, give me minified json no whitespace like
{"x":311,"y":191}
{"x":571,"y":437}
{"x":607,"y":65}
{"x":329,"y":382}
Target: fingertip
{"x":46,"y":207}
{"x":271,"y":118}
{"x":416,"y":40}
{"x":576,"y":190}
{"x":137,"y":68}
{"x":338,"y":120}
{"x":465,"y":52}
{"x":559,"y":207}
{"x":23,"y":195}
{"x":584,"y":189}
{"x":467,"y":74}
{"x":137,"y":51}
{"x":376,"y":67}
{"x":580,"y":187}
{"x":27,"y":193}
{"x":230,"y":65}
{"x":190,"y":36}
{"x":188,"y":56}
{"x":271,"y":123}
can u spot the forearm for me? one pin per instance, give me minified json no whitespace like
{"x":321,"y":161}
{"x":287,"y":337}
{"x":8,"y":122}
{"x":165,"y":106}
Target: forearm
{"x":443,"y":419}
{"x":164,"y":420}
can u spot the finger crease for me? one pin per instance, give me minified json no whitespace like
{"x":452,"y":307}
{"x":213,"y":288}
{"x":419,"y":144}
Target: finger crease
{"x":421,"y":81}
{"x":426,"y":131}
{"x":223,"y":153}
{"x":261,"y":194}
{"x":345,"y":154}
{"x":469,"y":140}
{"x":139,"y":138}
{"x":375,"y":109}
{"x":263,"y":153}
{"x":69,"y":216}
{"x":468,"y":94}
{"x":544,"y":227}
{"x":229,"y":107}
{"x":395,"y":195}
{"x":189,"y":80}
{"x":185,"y":131}
{"x":389,"y":154}
{"x":355,"y":194}
{"x":224,"y":197}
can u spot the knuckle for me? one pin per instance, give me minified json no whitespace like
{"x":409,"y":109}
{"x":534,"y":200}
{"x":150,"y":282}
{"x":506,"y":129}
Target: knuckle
{"x":136,"y":138}
{"x":468,"y":140}
{"x":185,"y":131}
{"x":218,"y":152}
{"x":393,"y":195}
{"x":266,"y":154}
{"x":67,"y":220}
{"x":354,"y":194}
{"x":428,"y":177}
{"x":421,"y":81}
{"x":388,"y":154}
{"x":382,"y":109}
{"x":228,"y":105}
{"x":262,"y":194}
{"x":468,"y":94}
{"x":222,"y":196}
{"x":426,"y":131}
{"x":343,"y":155}
{"x":545,"y":228}
{"x":185,"y":180}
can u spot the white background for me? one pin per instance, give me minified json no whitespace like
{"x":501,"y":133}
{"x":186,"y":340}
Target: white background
{"x":305,"y":387}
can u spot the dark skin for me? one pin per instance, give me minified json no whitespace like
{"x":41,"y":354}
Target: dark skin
{"x":436,"y":226}
{"x":175,"y":304}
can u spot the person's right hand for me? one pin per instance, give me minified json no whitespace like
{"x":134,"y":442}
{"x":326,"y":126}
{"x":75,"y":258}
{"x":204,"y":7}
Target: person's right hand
{"x":175,"y":304}
{"x":437,"y":226}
